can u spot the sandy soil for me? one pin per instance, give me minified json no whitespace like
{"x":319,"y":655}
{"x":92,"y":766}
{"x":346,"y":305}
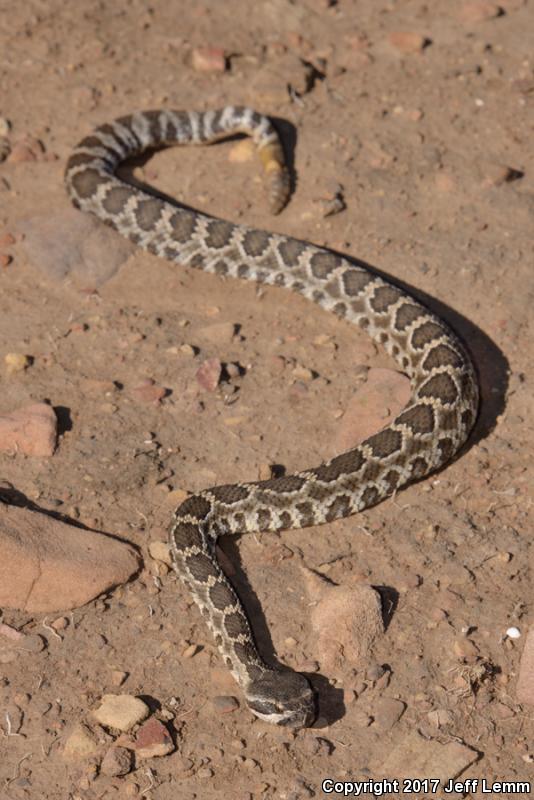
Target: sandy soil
{"x":428,"y":138}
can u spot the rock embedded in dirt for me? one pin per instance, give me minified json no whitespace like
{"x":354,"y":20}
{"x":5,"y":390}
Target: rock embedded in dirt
{"x":47,"y":565}
{"x":208,"y":59}
{"x":474,"y":12}
{"x":408,"y":41}
{"x":69,"y":243}
{"x":5,"y":148}
{"x":525,"y":682}
{"x":121,"y":711}
{"x":31,"y":430}
{"x":118,"y":677}
{"x":387,"y":711}
{"x":415,"y":757}
{"x":117,"y":762}
{"x":495,"y":174}
{"x":220,"y":332}
{"x":16,"y":362}
{"x":160,"y":551}
{"x":276,"y":81}
{"x":209,"y":374}
{"x":346,"y":619}
{"x":22,"y":152}
{"x":13,"y":643}
{"x":148,"y":392}
{"x":225,"y":704}
{"x":80,"y":743}
{"x":153,"y":740}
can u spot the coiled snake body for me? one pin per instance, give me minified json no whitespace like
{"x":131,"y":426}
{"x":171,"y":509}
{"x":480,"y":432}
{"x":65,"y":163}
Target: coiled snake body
{"x":427,"y":433}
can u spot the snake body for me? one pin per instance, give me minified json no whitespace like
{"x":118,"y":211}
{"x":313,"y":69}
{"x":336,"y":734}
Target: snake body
{"x":428,"y":432}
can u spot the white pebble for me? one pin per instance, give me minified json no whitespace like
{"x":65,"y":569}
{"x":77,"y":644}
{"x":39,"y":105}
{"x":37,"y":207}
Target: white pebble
{"x":513,"y":633}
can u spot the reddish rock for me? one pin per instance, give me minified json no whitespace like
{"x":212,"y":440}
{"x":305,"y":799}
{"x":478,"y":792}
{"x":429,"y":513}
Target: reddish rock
{"x":208,"y":59}
{"x":347,"y":621}
{"x":21,"y":153}
{"x":153,"y":739}
{"x":408,"y":41}
{"x":525,"y":682}
{"x":209,"y":374}
{"x":471,"y":13}
{"x":415,"y":757}
{"x":31,"y":430}
{"x":47,"y":565}
{"x":149,"y":392}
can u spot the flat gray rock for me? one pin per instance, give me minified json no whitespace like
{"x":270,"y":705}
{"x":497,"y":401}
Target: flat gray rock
{"x":69,"y":243}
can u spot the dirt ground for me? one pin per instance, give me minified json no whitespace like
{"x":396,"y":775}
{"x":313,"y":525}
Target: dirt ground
{"x":418,"y":117}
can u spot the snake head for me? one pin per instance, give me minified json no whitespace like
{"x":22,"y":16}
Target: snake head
{"x":282,"y":698}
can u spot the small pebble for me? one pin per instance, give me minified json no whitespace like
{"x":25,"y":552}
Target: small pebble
{"x":408,"y":41}
{"x":208,"y":59}
{"x":118,"y":677}
{"x":60,"y":623}
{"x":5,"y":126}
{"x":16,"y":362}
{"x":209,"y":374}
{"x":116,"y":762}
{"x":225,"y":704}
{"x":149,"y":392}
{"x":160,"y":551}
{"x":80,"y":743}
{"x":513,"y":633}
{"x":191,"y":651}
{"x":187,"y":350}
{"x":177,"y":496}
{"x":5,"y":148}
{"x":121,"y":711}
{"x":153,"y":740}
{"x":205,"y":772}
{"x":303,"y":373}
{"x":480,"y":11}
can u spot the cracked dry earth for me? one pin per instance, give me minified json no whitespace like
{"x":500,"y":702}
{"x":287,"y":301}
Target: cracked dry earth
{"x":409,"y":129}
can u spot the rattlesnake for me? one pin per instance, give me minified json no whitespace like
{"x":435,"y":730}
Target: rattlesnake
{"x":428,"y":432}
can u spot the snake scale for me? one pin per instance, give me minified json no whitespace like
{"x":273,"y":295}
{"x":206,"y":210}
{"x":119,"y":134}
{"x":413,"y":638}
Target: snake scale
{"x":428,"y":432}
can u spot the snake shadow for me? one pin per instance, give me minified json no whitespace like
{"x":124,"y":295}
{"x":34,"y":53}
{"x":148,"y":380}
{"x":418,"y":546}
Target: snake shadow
{"x":329,"y":699}
{"x":491,"y":365}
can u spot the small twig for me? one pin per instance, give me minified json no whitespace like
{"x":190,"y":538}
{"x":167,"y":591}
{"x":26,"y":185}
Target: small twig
{"x":16,"y":774}
{"x":152,"y":785}
{"x":9,"y":726}
{"x":143,"y":516}
{"x":51,"y":629}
